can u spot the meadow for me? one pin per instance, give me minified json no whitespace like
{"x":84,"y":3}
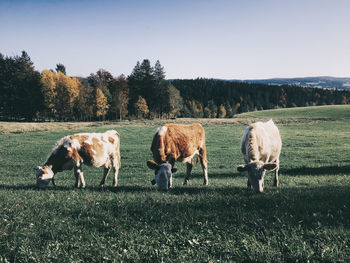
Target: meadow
{"x":306,"y":219}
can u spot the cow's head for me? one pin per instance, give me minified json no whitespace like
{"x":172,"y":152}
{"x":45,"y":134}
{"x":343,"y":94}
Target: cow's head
{"x":256,"y":173}
{"x":162,"y":175}
{"x":44,"y":174}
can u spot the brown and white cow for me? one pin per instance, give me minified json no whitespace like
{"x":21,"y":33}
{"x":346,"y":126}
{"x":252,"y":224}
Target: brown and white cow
{"x":261,"y":147}
{"x":177,"y":142}
{"x":92,"y":149}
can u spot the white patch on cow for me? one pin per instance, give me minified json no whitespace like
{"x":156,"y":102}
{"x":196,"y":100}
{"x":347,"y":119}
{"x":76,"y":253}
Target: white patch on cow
{"x":161,"y":131}
{"x":59,"y":144}
{"x":189,"y":158}
{"x":75,"y":144}
{"x":89,"y":140}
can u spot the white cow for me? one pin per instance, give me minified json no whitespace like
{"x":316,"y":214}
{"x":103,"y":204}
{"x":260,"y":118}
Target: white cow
{"x":261,"y":147}
{"x":92,"y":149}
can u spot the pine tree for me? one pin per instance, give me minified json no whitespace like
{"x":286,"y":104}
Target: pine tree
{"x":158,"y":72}
{"x":20,"y":88}
{"x":61,"y":68}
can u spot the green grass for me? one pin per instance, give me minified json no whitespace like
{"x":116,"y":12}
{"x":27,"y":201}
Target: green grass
{"x":306,"y":219}
{"x":329,"y":112}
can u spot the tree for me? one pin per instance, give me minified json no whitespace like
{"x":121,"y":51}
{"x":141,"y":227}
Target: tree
{"x":141,"y":108}
{"x":101,"y":104}
{"x":48,"y":81}
{"x":60,"y":94}
{"x":84,"y":107}
{"x":222,"y":111}
{"x":102,"y":80}
{"x":120,"y":97}
{"x":20,"y":88}
{"x":147,"y":82}
{"x":158,"y":72}
{"x":172,"y":101}
{"x":61,"y":68}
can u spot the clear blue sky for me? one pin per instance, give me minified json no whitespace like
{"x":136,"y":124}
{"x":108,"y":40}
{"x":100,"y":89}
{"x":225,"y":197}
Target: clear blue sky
{"x":240,"y":39}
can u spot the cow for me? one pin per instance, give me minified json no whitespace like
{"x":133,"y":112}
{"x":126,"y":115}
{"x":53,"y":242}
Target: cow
{"x":261,"y":147}
{"x":92,"y":149}
{"x":177,"y":142}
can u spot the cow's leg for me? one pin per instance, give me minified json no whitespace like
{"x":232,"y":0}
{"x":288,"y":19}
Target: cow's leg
{"x":276,"y":181}
{"x":79,"y":177}
{"x":188,"y":172}
{"x":53,"y":181}
{"x":248,"y":184}
{"x":116,"y":171}
{"x":204,"y":162}
{"x":171,"y":182}
{"x":105,"y":174}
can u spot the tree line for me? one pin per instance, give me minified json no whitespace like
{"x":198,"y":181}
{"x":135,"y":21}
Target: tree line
{"x":26,"y":94}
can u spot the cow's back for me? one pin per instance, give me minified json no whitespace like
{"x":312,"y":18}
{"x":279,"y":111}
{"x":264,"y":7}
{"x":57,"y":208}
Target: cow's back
{"x":261,"y":141}
{"x":177,"y":141}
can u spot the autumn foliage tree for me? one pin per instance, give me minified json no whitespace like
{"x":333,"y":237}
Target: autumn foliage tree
{"x":141,"y":108}
{"x":60,"y":94}
{"x":101,"y":104}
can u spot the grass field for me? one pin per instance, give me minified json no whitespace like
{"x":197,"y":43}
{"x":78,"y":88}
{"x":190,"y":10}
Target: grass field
{"x":306,"y":219}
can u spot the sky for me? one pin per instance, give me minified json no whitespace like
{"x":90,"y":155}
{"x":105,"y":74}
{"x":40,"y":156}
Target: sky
{"x":237,"y":39}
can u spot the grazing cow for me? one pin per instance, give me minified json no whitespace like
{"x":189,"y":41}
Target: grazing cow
{"x":177,"y":142}
{"x":261,"y":147}
{"x":92,"y":149}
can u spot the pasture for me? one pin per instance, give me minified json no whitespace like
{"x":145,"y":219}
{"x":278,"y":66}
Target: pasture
{"x":306,"y":219}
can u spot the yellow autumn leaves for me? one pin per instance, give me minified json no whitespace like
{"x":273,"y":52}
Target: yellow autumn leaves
{"x":64,"y":96}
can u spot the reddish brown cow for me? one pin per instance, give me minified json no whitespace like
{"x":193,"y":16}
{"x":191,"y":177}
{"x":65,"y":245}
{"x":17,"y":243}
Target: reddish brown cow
{"x":177,"y":142}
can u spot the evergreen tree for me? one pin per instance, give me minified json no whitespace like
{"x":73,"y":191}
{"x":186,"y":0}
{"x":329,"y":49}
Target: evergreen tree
{"x":61,"y":68}
{"x":158,"y":73}
{"x":20,"y":88}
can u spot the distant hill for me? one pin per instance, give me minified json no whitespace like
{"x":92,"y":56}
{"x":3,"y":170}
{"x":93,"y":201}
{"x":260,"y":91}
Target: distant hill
{"x":313,"y":82}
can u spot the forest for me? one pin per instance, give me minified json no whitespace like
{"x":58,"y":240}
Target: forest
{"x":51,"y":95}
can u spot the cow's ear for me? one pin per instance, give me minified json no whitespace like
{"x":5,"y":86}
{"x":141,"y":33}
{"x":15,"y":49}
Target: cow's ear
{"x":173,"y":170}
{"x":270,"y":166}
{"x":242,"y":168}
{"x":152,"y":164}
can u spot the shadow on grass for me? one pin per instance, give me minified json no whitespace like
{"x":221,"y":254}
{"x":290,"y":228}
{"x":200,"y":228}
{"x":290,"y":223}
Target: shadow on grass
{"x":122,"y":188}
{"x":177,"y":190}
{"x":225,"y":175}
{"x":325,"y":170}
{"x":235,"y":208}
